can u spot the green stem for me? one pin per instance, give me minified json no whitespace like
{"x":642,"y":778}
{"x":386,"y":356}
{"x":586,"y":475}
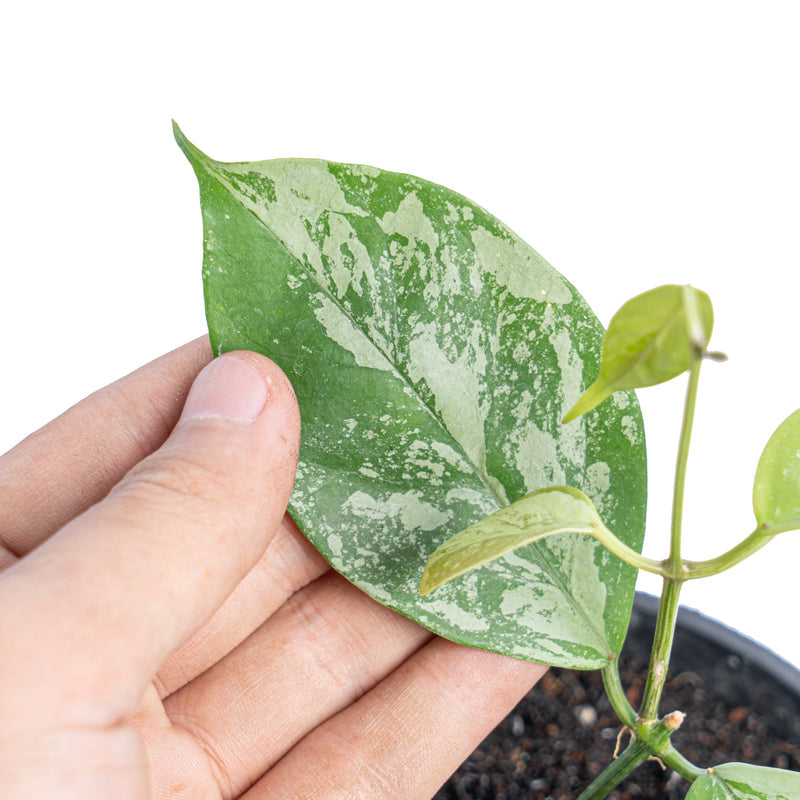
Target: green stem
{"x":627,"y":554}
{"x":656,"y":737}
{"x":713,"y":566}
{"x":677,"y":761}
{"x":651,"y":735}
{"x":634,"y":754}
{"x":689,"y":570}
{"x":662,"y":648}
{"x":680,"y":467}
{"x":670,"y":594}
{"x":649,"y":738}
{"x":616,"y":694}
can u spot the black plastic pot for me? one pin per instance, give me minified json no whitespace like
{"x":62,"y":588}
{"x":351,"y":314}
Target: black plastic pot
{"x":742,"y":704}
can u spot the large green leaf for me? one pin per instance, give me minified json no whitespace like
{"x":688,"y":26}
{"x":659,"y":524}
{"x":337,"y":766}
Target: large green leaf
{"x":433,"y":354}
{"x":746,"y":782}
{"x":776,"y":490}
{"x":649,"y":341}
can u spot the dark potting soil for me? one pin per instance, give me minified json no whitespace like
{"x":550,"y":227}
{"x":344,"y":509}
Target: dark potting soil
{"x":742,"y":704}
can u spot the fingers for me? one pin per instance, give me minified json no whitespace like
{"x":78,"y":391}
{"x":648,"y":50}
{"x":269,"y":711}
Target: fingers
{"x":72,"y":463}
{"x":334,"y":691}
{"x":321,"y":651}
{"x":289,"y":564}
{"x":172,"y":540}
{"x":409,"y":734}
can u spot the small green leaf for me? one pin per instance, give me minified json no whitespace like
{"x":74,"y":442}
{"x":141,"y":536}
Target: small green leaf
{"x":433,"y":354}
{"x":649,"y":340}
{"x":746,"y":782}
{"x":776,"y":490}
{"x":558,"y":509}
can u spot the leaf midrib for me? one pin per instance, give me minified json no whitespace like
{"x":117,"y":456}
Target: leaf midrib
{"x":406,"y":379}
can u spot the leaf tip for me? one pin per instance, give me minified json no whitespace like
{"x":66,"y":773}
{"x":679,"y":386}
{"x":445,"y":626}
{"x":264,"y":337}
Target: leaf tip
{"x":427,"y":584}
{"x":586,"y":402}
{"x":178,"y":134}
{"x":189,"y":150}
{"x":571,"y":415}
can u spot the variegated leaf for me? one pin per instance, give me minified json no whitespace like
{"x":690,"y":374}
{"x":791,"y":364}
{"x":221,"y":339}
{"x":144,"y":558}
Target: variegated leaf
{"x":746,"y":782}
{"x":433,"y":354}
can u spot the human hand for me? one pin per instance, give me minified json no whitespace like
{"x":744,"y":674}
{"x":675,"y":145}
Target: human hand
{"x":167,"y":632}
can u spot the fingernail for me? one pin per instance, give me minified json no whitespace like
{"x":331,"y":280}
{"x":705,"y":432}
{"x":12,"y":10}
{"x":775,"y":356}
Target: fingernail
{"x":228,"y":388}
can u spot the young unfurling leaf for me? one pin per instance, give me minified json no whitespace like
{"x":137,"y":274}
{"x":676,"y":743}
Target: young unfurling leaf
{"x":537,"y":515}
{"x":558,"y":509}
{"x":649,"y":340}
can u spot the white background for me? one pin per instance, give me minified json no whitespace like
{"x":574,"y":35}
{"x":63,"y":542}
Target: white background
{"x":631,"y":143}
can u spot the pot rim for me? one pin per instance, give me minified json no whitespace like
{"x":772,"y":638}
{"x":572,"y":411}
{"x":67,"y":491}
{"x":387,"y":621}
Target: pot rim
{"x":726,"y":638}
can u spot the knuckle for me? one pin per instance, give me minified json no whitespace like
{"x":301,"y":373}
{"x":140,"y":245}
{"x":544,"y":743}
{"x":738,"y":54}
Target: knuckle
{"x":177,"y":481}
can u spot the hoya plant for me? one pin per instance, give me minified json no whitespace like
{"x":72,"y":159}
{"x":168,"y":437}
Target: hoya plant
{"x":441,"y":367}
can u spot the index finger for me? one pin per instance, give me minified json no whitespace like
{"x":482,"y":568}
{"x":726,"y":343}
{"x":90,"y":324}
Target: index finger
{"x":72,"y":462}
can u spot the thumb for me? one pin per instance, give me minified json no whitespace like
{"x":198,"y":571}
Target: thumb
{"x":137,"y":574}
